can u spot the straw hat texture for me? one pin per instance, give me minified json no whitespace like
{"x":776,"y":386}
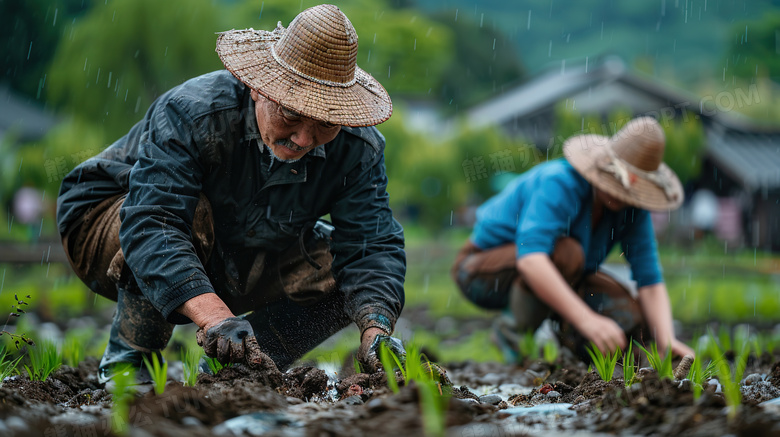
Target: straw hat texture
{"x":310,"y":67}
{"x":629,"y":165}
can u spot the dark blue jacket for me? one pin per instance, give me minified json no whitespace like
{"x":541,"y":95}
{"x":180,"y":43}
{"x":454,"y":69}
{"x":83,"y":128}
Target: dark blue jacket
{"x":202,"y":136}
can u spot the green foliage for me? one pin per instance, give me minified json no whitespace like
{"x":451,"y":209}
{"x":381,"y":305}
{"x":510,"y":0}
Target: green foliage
{"x":8,"y":365}
{"x":115,"y":60}
{"x":528,"y":347}
{"x":74,"y":345}
{"x":434,"y":408}
{"x":550,"y":352}
{"x":604,"y":363}
{"x":123,"y":392}
{"x":629,"y":367}
{"x":215,"y":365}
{"x":685,"y":145}
{"x":158,"y":369}
{"x":731,"y":377}
{"x":190,"y":360}
{"x":389,"y":360}
{"x":661,"y":365}
{"x":30,"y":31}
{"x":752,"y":48}
{"x":699,"y":375}
{"x":44,"y":359}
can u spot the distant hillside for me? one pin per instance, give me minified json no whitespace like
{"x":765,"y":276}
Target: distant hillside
{"x":681,"y":41}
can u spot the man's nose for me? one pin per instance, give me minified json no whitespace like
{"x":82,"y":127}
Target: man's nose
{"x":304,"y":136}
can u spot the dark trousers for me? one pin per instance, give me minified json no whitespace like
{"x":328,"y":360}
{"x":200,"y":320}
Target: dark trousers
{"x":489,"y":279}
{"x":294,"y":305}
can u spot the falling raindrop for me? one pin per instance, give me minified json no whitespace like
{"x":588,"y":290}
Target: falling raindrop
{"x":426,"y":282}
{"x":529,"y":19}
{"x":2,"y":282}
{"x":452,"y":214}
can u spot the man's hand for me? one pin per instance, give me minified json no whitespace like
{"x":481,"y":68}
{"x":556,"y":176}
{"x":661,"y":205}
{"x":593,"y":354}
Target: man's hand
{"x":368,"y":352}
{"x":602,"y":331}
{"x":230,"y":341}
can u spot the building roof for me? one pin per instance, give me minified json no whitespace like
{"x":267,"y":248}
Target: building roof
{"x":606,"y":85}
{"x":751,"y":159}
{"x":21,"y":118}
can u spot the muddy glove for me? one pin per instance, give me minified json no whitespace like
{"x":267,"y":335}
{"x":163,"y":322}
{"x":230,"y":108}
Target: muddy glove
{"x":230,"y":341}
{"x":368,"y":356}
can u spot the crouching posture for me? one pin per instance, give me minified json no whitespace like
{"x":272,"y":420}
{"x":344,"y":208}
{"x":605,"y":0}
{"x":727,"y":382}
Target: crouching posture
{"x":208,"y":208}
{"x":537,"y":247}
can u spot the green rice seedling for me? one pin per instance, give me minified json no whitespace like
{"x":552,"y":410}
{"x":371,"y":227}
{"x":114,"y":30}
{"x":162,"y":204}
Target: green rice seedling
{"x":661,"y":365}
{"x":8,"y":365}
{"x":74,"y":346}
{"x":698,"y":374}
{"x":528,"y":347}
{"x":190,"y":365}
{"x":433,"y":406}
{"x":388,"y":364}
{"x":122,"y":394}
{"x":605,"y":364}
{"x":742,"y":339}
{"x":44,"y":359}
{"x":158,"y":369}
{"x":215,"y":365}
{"x":730,"y":380}
{"x":629,"y":367}
{"x":724,"y":338}
{"x":550,"y":352}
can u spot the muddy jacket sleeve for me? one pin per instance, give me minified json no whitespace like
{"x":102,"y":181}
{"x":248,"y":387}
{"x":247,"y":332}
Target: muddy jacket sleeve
{"x":369,"y":261}
{"x":157,"y":214}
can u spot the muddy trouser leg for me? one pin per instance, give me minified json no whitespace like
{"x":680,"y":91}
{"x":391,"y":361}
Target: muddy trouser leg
{"x":93,"y":250}
{"x":286,"y":330}
{"x":138,"y":331}
{"x":296,"y":302}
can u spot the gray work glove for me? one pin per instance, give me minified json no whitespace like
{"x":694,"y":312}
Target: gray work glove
{"x":368,"y":354}
{"x":231,"y":341}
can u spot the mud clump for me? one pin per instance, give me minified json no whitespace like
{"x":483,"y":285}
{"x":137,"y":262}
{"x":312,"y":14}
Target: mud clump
{"x":305,"y":383}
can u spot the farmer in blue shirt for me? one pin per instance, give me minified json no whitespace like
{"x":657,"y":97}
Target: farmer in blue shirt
{"x":537,"y":246}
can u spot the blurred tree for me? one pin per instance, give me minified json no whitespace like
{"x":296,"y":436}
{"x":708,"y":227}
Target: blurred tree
{"x":484,"y":60}
{"x":29,"y":32}
{"x":754,"y":48}
{"x":124,"y":53}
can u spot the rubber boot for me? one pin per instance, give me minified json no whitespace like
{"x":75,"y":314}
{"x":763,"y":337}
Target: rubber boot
{"x":138,"y":331}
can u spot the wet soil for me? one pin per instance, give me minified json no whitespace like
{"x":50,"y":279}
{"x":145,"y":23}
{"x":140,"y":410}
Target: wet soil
{"x":485,"y":399}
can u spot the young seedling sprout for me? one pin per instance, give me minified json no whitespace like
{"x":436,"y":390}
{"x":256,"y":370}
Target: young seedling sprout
{"x":44,"y":359}
{"x":7,"y":365}
{"x":17,"y":311}
{"x":215,"y":365}
{"x":158,"y":369}
{"x":122,"y":393}
{"x":550,"y":352}
{"x":730,"y":379}
{"x":604,"y":364}
{"x":528,"y":347}
{"x":661,"y":365}
{"x":190,"y":363}
{"x":629,"y":368}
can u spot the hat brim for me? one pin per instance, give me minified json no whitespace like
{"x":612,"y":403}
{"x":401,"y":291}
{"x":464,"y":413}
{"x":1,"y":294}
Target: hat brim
{"x":584,"y":152}
{"x":247,"y":54}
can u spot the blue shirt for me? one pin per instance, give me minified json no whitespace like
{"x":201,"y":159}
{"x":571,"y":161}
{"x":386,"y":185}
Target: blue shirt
{"x":553,"y":200}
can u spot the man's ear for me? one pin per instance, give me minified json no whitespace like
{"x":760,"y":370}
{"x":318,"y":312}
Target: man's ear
{"x":255,"y":95}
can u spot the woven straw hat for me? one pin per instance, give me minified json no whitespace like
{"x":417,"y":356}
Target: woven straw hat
{"x":629,"y":165}
{"x":310,"y":67}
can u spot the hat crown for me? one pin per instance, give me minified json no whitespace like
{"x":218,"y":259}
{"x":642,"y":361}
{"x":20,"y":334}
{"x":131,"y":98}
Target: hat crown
{"x":320,"y":44}
{"x":641,"y":143}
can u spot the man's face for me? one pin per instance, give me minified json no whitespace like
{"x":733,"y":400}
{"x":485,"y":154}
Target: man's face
{"x":611,"y":202}
{"x":289,"y":134}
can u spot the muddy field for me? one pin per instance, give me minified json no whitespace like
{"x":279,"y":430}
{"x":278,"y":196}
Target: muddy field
{"x":485,"y":399}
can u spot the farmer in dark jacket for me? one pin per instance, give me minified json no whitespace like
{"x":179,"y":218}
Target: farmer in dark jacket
{"x":537,"y":247}
{"x":208,"y":208}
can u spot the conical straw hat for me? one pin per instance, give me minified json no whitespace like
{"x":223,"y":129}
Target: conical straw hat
{"x":310,"y":67}
{"x":629,"y":165}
